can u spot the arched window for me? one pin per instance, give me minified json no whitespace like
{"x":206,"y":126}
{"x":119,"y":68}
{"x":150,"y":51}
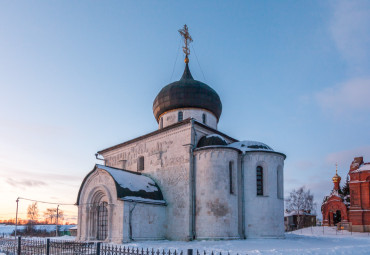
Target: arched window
{"x":231,"y":177}
{"x":180,"y":116}
{"x":102,"y":221}
{"x":161,"y":123}
{"x":204,"y":118}
{"x":280,"y":191}
{"x":259,"y":181}
{"x":140,"y":163}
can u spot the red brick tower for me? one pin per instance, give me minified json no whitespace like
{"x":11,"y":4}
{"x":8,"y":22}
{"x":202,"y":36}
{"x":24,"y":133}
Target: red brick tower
{"x":334,"y":211}
{"x":359,"y":211}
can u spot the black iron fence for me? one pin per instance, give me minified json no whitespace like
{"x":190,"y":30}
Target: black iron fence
{"x":33,"y":246}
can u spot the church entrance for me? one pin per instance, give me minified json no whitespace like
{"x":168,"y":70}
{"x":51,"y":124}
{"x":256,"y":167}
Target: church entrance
{"x":337,"y":217}
{"x":102,"y":221}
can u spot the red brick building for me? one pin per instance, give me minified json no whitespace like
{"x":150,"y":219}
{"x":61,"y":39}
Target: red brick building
{"x":359,"y":211}
{"x":356,"y":215}
{"x":334,"y":210}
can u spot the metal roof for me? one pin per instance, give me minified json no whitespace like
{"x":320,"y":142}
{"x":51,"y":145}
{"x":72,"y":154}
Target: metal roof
{"x":187,"y":93}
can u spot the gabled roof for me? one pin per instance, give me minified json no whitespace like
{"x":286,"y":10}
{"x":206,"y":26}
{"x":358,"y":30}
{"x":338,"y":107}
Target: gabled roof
{"x":178,"y":124}
{"x":130,"y":186}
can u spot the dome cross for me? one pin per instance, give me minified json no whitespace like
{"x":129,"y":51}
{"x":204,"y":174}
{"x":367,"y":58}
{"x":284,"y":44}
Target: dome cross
{"x":184,"y":32}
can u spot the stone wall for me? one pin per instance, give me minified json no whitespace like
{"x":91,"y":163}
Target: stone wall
{"x":148,"y":222}
{"x":99,"y":182}
{"x":264,"y":215}
{"x":359,"y":212}
{"x":171,"y":117}
{"x":216,"y":201}
{"x":166,"y":160}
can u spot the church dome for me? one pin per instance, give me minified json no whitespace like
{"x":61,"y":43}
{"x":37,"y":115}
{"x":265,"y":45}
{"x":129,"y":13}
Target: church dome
{"x":187,"y":93}
{"x":211,"y":140}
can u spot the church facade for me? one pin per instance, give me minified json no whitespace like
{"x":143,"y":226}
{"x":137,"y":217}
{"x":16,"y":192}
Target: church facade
{"x":355,"y":215}
{"x":184,"y":181}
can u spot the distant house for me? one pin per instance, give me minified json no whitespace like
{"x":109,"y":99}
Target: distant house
{"x":73,"y":231}
{"x":291,"y":220}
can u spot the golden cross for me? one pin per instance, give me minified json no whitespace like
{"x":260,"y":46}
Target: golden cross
{"x":187,"y":40}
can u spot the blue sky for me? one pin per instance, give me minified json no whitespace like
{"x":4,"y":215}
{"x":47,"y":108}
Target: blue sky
{"x":79,"y":76}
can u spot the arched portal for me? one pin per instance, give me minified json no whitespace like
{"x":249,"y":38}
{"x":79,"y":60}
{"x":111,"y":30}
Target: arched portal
{"x":337,"y":217}
{"x":334,"y":211}
{"x":98,"y":220}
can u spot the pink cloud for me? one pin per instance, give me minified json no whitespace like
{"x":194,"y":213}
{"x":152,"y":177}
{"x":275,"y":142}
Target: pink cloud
{"x":350,"y":29}
{"x":353,"y":95}
{"x":344,"y":158}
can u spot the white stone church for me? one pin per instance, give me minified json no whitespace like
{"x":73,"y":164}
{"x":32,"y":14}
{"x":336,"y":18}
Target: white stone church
{"x":184,"y":181}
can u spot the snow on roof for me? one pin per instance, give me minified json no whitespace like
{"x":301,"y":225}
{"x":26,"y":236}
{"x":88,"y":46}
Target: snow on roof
{"x":130,"y":184}
{"x":144,"y":200}
{"x":364,"y":167}
{"x":287,"y":214}
{"x":216,"y":135}
{"x":131,"y":181}
{"x":245,"y":146}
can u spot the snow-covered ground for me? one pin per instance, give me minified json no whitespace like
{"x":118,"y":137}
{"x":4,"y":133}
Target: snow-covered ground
{"x":313,"y":241}
{"x":306,"y":241}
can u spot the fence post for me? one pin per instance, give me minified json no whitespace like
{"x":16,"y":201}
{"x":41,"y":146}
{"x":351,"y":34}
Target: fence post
{"x":47,"y":246}
{"x":190,"y":251}
{"x":19,"y":246}
{"x":98,"y":248}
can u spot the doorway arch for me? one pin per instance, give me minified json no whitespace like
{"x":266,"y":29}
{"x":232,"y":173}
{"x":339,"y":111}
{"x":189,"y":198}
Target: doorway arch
{"x":334,"y":211}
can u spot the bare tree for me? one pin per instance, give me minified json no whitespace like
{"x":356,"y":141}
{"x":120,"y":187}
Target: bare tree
{"x":33,"y":212}
{"x":300,"y":201}
{"x":51,"y":215}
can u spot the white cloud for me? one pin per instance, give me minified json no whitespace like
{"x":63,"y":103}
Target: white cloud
{"x":353,"y":95}
{"x":350,"y":29}
{"x":345,"y":158}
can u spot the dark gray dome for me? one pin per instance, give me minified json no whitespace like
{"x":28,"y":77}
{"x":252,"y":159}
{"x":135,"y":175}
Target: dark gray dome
{"x":187,"y":93}
{"x":211,"y":140}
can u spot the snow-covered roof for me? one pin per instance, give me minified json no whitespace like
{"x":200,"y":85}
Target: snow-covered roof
{"x":131,"y":186}
{"x":245,"y":146}
{"x":363,"y":167}
{"x":215,"y":140}
{"x":211,"y":141}
{"x":216,"y":135}
{"x":287,"y":214}
{"x":130,"y":180}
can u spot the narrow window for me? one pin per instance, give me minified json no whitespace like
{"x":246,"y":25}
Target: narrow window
{"x":180,"y":116}
{"x":280,"y":183}
{"x":102,"y":221}
{"x":204,"y":118}
{"x":161,"y":123}
{"x":259,"y":181}
{"x":231,"y":177}
{"x":140,"y":163}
